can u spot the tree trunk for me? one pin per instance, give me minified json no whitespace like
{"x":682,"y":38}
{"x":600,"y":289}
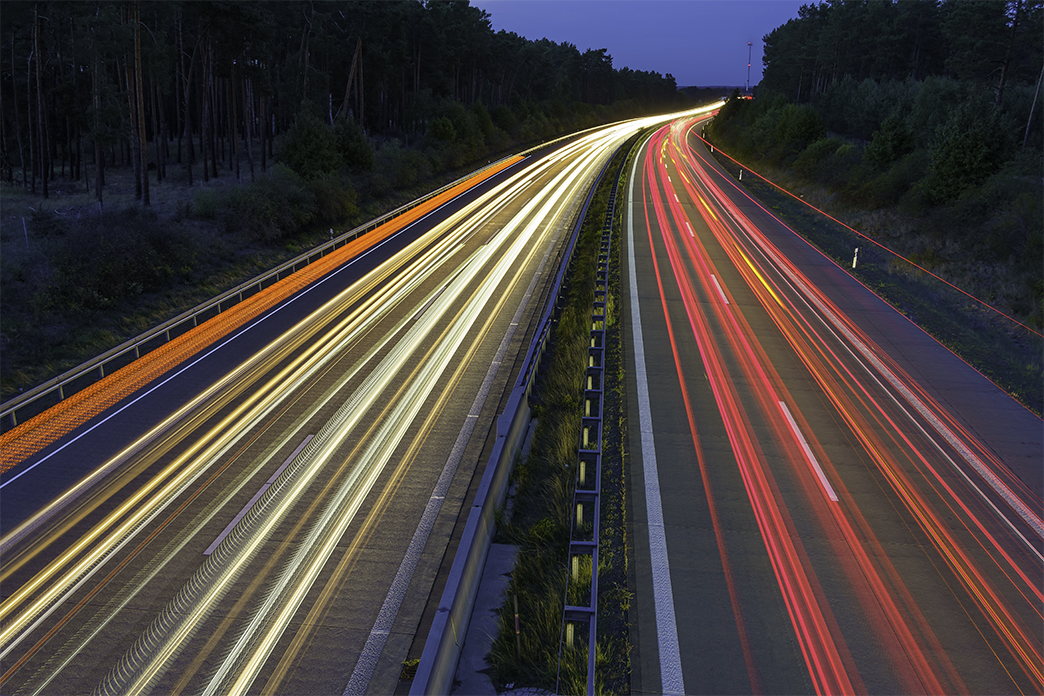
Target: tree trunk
{"x":186,"y":129}
{"x":41,"y":132}
{"x":132,"y":110}
{"x":139,"y":93}
{"x":1007,"y":55}
{"x":1033,"y":107}
{"x":18,"y":121}
{"x":233,"y":139}
{"x":264,"y":131}
{"x":213,"y":102}
{"x":158,"y":132}
{"x":248,"y":122}
{"x":204,"y":108}
{"x":99,"y":157}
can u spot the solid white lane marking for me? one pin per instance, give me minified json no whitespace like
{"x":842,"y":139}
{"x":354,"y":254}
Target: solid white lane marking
{"x":808,"y":453}
{"x":663,"y":595}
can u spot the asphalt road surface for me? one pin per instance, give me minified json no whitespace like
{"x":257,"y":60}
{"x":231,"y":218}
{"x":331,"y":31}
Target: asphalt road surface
{"x":826,"y":499}
{"x":271,"y":516}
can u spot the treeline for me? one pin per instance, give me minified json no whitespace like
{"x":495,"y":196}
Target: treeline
{"x":927,"y":114}
{"x":211,"y":86}
{"x":990,"y":42}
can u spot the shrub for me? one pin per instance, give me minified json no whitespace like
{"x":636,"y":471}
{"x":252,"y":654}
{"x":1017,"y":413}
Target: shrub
{"x":353,"y":145}
{"x":504,"y":119}
{"x":206,"y":204}
{"x":398,"y":167}
{"x":103,"y":259}
{"x":808,"y":163}
{"x":890,"y":142}
{"x":335,"y":200}
{"x":273,"y":206}
{"x":309,"y":147}
{"x":442,"y":129}
{"x":972,"y":145}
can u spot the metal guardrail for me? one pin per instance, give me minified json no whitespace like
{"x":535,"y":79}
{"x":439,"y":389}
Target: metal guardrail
{"x":438,"y":663}
{"x":583,"y":541}
{"x":46,"y":395}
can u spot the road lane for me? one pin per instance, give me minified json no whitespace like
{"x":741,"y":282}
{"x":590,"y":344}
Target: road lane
{"x":833,"y":526}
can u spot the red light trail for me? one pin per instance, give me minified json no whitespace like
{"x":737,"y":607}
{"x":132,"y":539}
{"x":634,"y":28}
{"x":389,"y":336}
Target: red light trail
{"x":978,"y":524}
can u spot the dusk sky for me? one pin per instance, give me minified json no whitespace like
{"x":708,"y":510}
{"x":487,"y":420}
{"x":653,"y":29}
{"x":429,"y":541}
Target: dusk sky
{"x":700,"y":42}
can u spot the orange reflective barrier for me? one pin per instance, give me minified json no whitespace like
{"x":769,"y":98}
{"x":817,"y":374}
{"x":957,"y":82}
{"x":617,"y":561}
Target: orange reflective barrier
{"x":28,"y":438}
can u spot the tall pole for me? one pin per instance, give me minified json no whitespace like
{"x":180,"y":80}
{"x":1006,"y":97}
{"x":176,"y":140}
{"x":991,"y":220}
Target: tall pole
{"x":748,"y":67}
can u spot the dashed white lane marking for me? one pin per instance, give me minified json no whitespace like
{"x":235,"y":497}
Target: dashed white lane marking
{"x":808,"y":453}
{"x":720,"y":291}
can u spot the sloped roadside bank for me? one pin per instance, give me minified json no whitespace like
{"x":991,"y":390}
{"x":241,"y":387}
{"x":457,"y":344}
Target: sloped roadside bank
{"x":1008,"y":353}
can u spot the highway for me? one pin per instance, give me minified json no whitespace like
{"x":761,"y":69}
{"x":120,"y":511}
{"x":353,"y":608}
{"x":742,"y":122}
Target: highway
{"x":825,"y":499}
{"x":271,"y":515}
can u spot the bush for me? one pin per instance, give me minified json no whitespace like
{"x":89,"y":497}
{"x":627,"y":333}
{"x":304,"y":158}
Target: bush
{"x":399,"y":168}
{"x":353,"y":146}
{"x":888,"y":187}
{"x":504,"y":119}
{"x":309,"y":147}
{"x":442,"y":129}
{"x":273,"y":206}
{"x":890,"y":142}
{"x":103,"y":259}
{"x":972,"y":145}
{"x":809,"y":162}
{"x":206,"y":204}
{"x":335,"y":200}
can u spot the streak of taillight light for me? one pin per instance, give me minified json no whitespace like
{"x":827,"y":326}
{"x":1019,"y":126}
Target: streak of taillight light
{"x":1003,"y":620}
{"x":810,"y":615}
{"x":748,"y":656}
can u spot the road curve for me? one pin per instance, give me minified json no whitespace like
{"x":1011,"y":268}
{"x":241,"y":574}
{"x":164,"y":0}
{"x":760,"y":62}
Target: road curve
{"x":270,"y":516}
{"x":826,"y":499}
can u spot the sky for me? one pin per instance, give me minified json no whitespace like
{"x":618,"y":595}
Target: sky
{"x":701,"y":42}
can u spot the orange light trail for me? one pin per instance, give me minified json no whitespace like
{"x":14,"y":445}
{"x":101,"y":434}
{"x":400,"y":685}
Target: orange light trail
{"x":28,"y":438}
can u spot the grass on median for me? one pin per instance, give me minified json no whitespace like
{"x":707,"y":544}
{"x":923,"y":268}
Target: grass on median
{"x":543,"y":500}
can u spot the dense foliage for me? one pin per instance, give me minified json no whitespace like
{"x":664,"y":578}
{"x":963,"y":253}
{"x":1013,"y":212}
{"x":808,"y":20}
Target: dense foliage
{"x":970,"y":40}
{"x":109,"y":81}
{"x":928,"y":113}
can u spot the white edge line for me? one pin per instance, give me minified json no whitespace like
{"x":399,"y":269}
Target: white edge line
{"x":663,"y":595}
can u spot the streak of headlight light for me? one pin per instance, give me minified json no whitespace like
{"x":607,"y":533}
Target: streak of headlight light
{"x":372,"y":463}
{"x":147,"y":511}
{"x":353,"y":407}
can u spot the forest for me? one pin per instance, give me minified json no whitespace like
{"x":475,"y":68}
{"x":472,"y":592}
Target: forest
{"x":921,"y":123}
{"x":154,"y":154}
{"x":159,"y":84}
